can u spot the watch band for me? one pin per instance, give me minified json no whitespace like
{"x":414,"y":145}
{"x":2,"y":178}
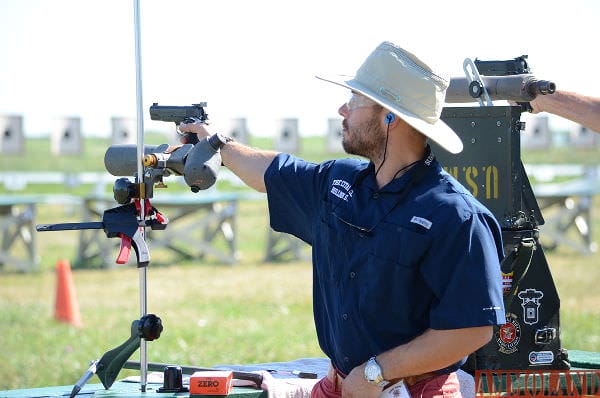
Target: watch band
{"x":218,"y":141}
{"x":228,"y":139}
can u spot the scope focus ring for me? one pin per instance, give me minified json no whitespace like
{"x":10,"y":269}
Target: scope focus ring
{"x":475,"y":89}
{"x":150,"y":160}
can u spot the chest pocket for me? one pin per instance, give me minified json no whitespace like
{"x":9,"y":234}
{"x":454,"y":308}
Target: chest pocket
{"x":338,"y":249}
{"x":392,"y":285}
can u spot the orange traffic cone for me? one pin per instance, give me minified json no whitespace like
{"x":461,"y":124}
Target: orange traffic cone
{"x":66,"y":307}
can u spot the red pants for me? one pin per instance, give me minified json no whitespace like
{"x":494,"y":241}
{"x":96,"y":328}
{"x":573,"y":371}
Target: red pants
{"x":443,"y":386}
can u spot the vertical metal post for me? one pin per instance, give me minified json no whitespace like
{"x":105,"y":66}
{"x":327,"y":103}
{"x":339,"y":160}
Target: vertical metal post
{"x":140,"y":181}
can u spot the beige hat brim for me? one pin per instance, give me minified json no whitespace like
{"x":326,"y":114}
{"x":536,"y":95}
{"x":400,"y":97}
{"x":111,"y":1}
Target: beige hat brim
{"x":439,"y":132}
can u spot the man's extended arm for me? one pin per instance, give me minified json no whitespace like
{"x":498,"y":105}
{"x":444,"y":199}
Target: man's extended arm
{"x":578,"y":108}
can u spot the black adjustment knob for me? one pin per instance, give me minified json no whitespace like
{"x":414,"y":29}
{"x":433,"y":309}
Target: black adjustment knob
{"x":124,"y":190}
{"x":172,"y":380}
{"x":150,"y":327}
{"x":475,"y":89}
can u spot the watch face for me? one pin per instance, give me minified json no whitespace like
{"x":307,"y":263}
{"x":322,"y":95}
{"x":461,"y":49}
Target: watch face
{"x":371,"y":371}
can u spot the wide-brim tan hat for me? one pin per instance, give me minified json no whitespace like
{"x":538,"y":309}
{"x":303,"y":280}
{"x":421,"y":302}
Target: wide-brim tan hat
{"x":399,"y":81}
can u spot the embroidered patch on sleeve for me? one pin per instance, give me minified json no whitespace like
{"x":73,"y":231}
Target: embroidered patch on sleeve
{"x":421,"y":221}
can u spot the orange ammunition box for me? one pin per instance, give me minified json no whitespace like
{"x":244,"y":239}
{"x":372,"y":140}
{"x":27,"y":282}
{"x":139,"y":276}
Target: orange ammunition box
{"x":211,"y":382}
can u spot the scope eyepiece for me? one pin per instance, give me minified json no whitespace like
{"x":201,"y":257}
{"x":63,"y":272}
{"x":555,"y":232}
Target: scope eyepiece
{"x":542,"y":87}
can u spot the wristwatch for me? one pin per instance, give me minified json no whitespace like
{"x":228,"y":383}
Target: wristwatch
{"x":218,"y":141}
{"x":374,"y":374}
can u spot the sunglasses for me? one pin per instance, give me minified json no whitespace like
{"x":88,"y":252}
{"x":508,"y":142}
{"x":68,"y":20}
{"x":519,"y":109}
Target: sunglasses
{"x":359,"y":101}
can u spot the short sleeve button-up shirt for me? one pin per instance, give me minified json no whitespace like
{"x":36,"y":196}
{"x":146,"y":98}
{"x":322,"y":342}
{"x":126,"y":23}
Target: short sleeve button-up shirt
{"x":388,"y":263}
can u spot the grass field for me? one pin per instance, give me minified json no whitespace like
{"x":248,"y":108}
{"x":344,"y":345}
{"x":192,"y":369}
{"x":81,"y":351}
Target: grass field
{"x":212,"y":313}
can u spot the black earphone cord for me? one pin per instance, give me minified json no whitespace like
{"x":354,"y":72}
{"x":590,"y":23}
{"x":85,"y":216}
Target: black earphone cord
{"x":389,"y":119}
{"x":387,"y":138}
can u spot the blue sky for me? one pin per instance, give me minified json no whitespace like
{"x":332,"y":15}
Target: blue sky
{"x":257,"y":59}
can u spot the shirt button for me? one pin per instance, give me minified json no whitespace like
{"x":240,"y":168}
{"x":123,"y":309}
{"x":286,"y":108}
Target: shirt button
{"x":346,"y":359}
{"x":375,"y":195}
{"x":345,"y":317}
{"x":352,"y":275}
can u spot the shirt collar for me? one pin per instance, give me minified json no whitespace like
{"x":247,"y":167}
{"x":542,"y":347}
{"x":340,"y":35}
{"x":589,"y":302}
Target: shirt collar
{"x":398,"y":184}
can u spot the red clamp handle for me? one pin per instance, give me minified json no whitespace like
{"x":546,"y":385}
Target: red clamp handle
{"x":125,"y":250}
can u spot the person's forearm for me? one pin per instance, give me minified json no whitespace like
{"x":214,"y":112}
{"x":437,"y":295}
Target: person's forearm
{"x":578,"y":108}
{"x":247,"y":163}
{"x":433,"y":350}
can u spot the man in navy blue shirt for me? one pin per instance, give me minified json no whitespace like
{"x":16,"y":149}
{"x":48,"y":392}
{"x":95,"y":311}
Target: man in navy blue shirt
{"x":406,"y":263}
